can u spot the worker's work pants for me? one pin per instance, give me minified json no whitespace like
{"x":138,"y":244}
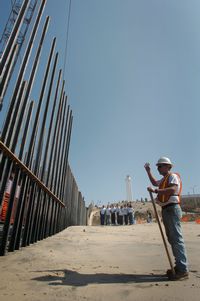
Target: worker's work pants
{"x":172,"y":222}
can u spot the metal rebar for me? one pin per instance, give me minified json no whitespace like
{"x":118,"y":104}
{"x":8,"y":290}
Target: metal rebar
{"x":49,"y":181}
{"x":7,"y":74}
{"x":61,"y":174}
{"x":67,"y":151}
{"x":60,"y":143}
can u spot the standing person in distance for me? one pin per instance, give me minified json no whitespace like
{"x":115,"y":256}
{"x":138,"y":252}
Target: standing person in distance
{"x":125,"y":214}
{"x":168,"y":197}
{"x":108,"y":215}
{"x":113,"y":214}
{"x":130,"y":214}
{"x":102,"y":215}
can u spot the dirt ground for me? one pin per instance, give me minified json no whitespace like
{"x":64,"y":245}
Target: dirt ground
{"x":100,"y":263}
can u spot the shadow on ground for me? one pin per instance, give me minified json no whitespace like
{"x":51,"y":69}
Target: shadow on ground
{"x":73,"y":278}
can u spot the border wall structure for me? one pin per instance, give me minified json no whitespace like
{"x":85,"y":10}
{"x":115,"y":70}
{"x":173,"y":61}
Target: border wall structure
{"x":39,"y":196}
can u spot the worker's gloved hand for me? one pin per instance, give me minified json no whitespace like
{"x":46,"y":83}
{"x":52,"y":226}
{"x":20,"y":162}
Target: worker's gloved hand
{"x":150,"y":189}
{"x":147,"y":167}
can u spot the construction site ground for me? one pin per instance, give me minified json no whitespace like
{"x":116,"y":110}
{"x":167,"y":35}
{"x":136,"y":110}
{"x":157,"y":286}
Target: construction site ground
{"x":100,"y":263}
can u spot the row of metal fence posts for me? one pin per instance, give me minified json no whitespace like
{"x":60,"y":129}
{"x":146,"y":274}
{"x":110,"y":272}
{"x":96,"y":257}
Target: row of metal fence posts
{"x":43,"y":198}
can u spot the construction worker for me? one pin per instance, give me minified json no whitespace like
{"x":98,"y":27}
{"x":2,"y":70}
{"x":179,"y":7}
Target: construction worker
{"x":168,"y":197}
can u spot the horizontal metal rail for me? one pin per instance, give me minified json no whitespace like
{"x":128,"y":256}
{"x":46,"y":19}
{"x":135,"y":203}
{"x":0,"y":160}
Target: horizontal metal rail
{"x":24,"y":168}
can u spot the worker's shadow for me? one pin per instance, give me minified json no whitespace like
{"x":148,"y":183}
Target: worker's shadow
{"x":73,"y":278}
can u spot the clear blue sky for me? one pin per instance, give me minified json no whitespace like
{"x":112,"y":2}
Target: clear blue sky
{"x":133,"y":81}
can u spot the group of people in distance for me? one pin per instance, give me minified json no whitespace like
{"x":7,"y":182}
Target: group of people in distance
{"x":117,"y":215}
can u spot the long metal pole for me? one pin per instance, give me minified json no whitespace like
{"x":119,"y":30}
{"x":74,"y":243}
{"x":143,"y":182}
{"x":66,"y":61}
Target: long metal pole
{"x":67,"y":151}
{"x":57,"y":144}
{"x":162,"y":234}
{"x":61,"y":140}
{"x":7,"y":74}
{"x":65,"y":158}
{"x":23,"y":199}
{"x":51,"y":169}
{"x":63,"y":154}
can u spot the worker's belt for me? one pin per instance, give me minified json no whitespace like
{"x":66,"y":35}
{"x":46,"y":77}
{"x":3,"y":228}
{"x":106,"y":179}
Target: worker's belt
{"x":169,"y":205}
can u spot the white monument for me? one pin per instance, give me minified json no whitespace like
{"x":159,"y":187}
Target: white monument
{"x":129,"y":196}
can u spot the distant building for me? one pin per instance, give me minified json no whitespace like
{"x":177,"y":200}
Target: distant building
{"x":190,"y":202}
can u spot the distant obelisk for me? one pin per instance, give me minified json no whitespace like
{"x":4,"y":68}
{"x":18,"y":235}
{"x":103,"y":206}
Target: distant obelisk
{"x":129,"y":195}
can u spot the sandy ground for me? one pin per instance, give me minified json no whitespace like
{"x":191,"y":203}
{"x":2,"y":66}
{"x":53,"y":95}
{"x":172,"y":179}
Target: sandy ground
{"x":100,"y":263}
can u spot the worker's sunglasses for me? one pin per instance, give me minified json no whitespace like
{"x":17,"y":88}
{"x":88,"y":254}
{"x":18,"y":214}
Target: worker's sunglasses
{"x":161,"y":165}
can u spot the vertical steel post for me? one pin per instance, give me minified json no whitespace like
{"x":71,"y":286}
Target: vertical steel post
{"x":56,"y":154}
{"x":67,"y":151}
{"x":52,"y":155}
{"x":61,"y":174}
{"x":7,"y":74}
{"x":61,"y":141}
{"x":24,"y":199}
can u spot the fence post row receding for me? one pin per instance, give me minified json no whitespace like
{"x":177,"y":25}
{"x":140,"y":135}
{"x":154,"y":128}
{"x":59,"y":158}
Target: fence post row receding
{"x":39,"y":196}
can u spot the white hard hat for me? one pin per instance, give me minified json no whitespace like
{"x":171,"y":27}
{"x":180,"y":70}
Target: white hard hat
{"x":164,"y":160}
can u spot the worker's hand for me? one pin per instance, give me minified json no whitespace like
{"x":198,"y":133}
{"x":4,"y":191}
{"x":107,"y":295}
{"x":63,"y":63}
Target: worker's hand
{"x":147,"y":167}
{"x":150,"y":189}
